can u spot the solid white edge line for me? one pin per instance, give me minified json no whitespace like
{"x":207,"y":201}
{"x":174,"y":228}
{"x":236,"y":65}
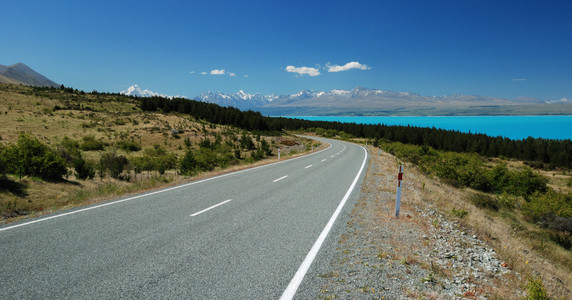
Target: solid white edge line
{"x":303,"y":269}
{"x":207,"y":209}
{"x":156,"y":192}
{"x":275,"y":180}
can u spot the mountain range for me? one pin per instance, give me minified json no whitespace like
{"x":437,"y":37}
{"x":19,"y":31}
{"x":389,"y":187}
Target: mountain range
{"x":362,"y":101}
{"x":376,"y":102}
{"x":21,"y":74}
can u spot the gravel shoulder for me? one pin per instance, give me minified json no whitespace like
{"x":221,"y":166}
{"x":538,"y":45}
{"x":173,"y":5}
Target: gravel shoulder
{"x":421,"y":255}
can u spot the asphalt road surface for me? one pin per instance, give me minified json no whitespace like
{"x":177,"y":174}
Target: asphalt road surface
{"x":256,"y":234}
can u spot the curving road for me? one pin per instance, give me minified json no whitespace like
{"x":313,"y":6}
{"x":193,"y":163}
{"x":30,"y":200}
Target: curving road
{"x":255,"y":234}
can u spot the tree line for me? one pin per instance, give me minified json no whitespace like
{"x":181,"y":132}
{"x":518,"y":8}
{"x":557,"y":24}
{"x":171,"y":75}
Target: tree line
{"x":552,"y":153}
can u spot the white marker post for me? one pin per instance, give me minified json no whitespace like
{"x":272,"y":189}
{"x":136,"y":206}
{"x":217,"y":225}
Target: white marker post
{"x":398,"y":197}
{"x":278,"y":153}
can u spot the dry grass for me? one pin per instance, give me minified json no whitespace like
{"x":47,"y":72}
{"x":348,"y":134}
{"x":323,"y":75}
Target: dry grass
{"x":516,"y":242}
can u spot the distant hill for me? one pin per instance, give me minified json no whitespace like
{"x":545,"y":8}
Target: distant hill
{"x":21,"y":74}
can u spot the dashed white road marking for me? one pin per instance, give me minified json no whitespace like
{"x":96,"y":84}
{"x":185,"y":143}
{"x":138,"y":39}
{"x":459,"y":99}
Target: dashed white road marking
{"x":308,"y":166}
{"x":275,"y":180}
{"x":323,"y":160}
{"x":207,"y":209}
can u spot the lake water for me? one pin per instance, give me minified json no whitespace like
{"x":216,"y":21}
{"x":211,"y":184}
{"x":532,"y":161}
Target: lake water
{"x":513,"y":127}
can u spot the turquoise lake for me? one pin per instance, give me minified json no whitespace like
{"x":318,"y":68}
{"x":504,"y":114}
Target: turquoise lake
{"x":513,"y":127}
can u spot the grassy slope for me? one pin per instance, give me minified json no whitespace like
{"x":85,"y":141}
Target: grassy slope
{"x":523,"y":245}
{"x":110,"y":118}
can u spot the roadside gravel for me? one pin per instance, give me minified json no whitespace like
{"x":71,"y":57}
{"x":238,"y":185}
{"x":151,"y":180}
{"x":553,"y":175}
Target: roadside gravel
{"x":421,"y":255}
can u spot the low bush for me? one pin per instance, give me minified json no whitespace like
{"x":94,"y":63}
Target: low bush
{"x":484,"y":201}
{"x":552,"y":210}
{"x":128,"y":146}
{"x":469,"y":170}
{"x":113,"y":164}
{"x":156,"y":158}
{"x":188,"y":164}
{"x":3,"y":161}
{"x":459,"y":213}
{"x":83,"y":169}
{"x":30,"y":157}
{"x":90,"y":143}
{"x":535,"y":290}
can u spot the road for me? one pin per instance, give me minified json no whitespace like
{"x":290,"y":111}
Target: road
{"x":244,"y":235}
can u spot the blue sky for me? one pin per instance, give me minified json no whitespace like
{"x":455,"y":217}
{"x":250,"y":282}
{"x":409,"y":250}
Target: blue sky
{"x":492,"y":48}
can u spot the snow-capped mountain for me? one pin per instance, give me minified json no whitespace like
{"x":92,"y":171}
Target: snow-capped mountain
{"x":136,"y":91}
{"x":240,"y":99}
{"x":562,"y":100}
{"x":244,"y":100}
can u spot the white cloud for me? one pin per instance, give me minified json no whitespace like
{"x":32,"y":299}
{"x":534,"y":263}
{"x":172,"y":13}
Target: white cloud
{"x":231,"y":74}
{"x":204,"y":73}
{"x":519,"y":79}
{"x":303,"y":70}
{"x":217,"y":72}
{"x":192,"y":72}
{"x":348,"y":66}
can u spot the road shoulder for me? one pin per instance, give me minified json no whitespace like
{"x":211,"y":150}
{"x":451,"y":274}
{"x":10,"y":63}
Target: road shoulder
{"x":421,"y":254}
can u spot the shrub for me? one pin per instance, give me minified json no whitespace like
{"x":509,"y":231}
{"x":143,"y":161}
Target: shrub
{"x":32,"y":158}
{"x":187,"y":142}
{"x":484,"y":201}
{"x":256,"y":155}
{"x":551,"y":209}
{"x":188,"y":164}
{"x":206,"y":159}
{"x":3,"y":162}
{"x":459,"y":213}
{"x":535,"y":290}
{"x":52,"y":166}
{"x":128,"y":146}
{"x":68,"y":149}
{"x":83,"y":169}
{"x":112,"y":163}
{"x":206,"y":143}
{"x":562,"y":238}
{"x":246,"y":142}
{"x":155,"y":159}
{"x":524,"y":183}
{"x":507,"y":201}
{"x":90,"y":143}
{"x":265,"y":147}
{"x":165,"y":162}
